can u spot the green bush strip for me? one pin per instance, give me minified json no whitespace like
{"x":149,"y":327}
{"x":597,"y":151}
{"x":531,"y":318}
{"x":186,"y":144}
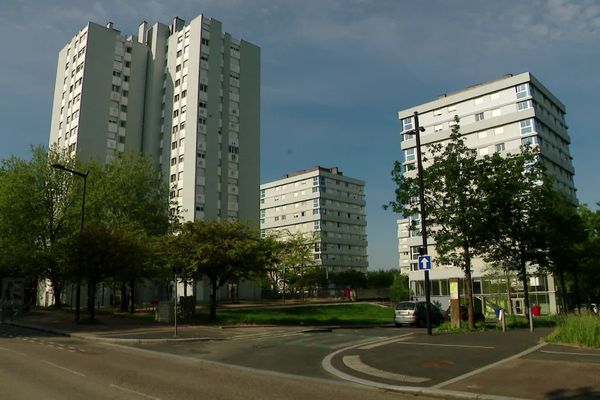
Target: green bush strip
{"x":577,"y":330}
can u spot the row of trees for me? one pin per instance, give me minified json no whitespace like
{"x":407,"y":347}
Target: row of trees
{"x":130,"y":235}
{"x":503,"y":209}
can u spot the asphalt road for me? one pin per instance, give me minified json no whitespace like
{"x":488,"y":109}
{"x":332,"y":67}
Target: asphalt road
{"x":36,"y":365}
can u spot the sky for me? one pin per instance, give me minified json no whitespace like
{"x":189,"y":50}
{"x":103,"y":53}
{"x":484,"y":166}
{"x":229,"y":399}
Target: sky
{"x":335,"y":73}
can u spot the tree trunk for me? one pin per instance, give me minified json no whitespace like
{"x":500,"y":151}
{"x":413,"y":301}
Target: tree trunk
{"x":132,"y":295}
{"x":509,"y":291}
{"x":54,"y":281}
{"x":213,"y":299}
{"x":92,"y":300}
{"x":563,"y":289}
{"x":469,"y":287}
{"x":523,"y":276}
{"x":123,"y":297}
{"x":576,"y":287}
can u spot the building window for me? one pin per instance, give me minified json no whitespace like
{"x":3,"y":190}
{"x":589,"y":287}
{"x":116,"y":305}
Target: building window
{"x":128,"y":49}
{"x":409,"y":154}
{"x":407,"y":124}
{"x":127,"y":64}
{"x":203,"y":87}
{"x":522,"y":90}
{"x":479,"y":116}
{"x":496,"y":112}
{"x":526,"y":126}
{"x":179,"y":53}
{"x":177,"y":82}
{"x":500,"y":147}
{"x":183,"y":94}
{"x":122,"y":124}
{"x":178,"y":68}
{"x":123,"y":108}
{"x":204,"y":41}
{"x":524,"y":105}
{"x":116,"y":88}
{"x":176,"y":113}
{"x":438,"y":128}
{"x":125,"y":93}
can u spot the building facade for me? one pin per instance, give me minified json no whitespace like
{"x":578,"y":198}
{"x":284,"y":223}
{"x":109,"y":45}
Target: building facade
{"x":185,"y":95}
{"x":326,"y":204}
{"x":497,"y":116}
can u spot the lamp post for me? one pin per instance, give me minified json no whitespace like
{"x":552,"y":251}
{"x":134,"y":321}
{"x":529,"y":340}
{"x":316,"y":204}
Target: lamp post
{"x":83,"y":175}
{"x":423,"y":251}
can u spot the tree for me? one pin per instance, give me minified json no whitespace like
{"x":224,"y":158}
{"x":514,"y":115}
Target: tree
{"x":127,"y":196}
{"x":381,"y":279}
{"x":453,"y":204}
{"x":518,"y":196}
{"x":39,"y":208}
{"x":223,"y":252}
{"x":564,"y":234}
{"x":588,"y":265}
{"x":399,"y":289}
{"x":296,"y":267}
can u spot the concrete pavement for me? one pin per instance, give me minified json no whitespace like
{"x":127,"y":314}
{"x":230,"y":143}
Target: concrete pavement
{"x":488,"y":365}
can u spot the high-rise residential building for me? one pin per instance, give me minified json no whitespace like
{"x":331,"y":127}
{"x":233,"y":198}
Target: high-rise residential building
{"x":324,"y":203}
{"x":497,"y":116}
{"x":185,"y":95}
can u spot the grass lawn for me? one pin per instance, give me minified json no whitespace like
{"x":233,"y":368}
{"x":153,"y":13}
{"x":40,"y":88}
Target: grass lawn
{"x":580,"y":330}
{"x":343,"y":314}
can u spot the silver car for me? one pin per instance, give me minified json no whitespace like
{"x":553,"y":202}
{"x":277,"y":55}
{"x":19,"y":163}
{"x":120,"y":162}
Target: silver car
{"x":415,"y":313}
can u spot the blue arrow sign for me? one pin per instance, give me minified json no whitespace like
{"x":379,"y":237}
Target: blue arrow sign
{"x":424,"y":262}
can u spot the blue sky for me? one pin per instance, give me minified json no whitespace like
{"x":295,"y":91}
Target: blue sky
{"x":335,"y":73}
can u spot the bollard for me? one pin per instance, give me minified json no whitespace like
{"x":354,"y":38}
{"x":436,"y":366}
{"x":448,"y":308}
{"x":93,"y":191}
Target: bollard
{"x":502,"y":319}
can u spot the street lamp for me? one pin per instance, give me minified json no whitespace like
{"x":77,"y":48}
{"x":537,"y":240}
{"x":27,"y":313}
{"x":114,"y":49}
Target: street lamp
{"x":78,"y":290}
{"x":423,"y":250}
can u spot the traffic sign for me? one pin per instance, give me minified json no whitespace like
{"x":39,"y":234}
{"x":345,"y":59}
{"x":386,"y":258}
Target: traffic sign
{"x":424,"y":262}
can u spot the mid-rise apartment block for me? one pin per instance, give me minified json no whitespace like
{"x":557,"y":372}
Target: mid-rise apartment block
{"x":497,"y":116}
{"x":185,"y":95}
{"x":326,"y":204}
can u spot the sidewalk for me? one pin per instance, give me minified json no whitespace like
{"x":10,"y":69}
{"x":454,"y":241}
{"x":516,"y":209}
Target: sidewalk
{"x":110,"y":328}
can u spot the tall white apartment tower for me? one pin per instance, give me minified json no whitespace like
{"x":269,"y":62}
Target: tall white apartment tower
{"x":324,"y":202}
{"x":496,"y":116}
{"x":186,"y":95}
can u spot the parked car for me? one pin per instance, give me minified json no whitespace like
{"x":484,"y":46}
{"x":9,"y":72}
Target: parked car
{"x":415,"y":313}
{"x":464,"y":314}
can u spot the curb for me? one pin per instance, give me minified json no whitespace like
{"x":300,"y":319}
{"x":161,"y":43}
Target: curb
{"x":93,"y":338}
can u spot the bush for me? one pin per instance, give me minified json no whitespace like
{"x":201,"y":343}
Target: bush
{"x":579,"y":330}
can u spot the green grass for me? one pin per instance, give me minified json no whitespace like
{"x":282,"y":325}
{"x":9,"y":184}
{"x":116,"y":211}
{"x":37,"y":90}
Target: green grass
{"x":346,"y":314}
{"x":577,"y":330}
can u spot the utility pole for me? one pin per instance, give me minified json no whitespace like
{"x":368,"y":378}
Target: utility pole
{"x":423,"y":251}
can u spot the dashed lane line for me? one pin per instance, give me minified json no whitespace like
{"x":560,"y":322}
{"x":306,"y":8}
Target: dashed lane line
{"x":355,"y":363}
{"x":144,"y":395}
{"x":63,"y":368}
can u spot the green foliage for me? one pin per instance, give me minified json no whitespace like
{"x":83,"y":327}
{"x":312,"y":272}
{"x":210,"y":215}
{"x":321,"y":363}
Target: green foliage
{"x":39,"y":208}
{"x":454,"y":203}
{"x":577,"y":330}
{"x":222,"y":251}
{"x":352,"y":279}
{"x":380,"y":279}
{"x":399,"y":289}
{"x":128,"y":190}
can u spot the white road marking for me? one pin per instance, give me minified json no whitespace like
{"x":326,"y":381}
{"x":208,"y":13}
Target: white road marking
{"x":447,"y":345}
{"x":355,"y":363}
{"x":383,"y":343}
{"x":134,"y":392}
{"x":477,"y":371}
{"x":63,"y":368}
{"x":13,"y":351}
{"x":570,"y":353}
